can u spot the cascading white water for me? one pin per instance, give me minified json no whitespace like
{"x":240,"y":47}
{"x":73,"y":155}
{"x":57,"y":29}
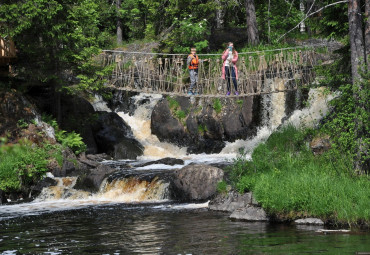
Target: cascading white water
{"x":318,"y":107}
{"x":273,"y":113}
{"x":140,"y":125}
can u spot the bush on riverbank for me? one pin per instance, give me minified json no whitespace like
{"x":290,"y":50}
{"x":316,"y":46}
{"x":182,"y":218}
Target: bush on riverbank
{"x":25,"y":163}
{"x":289,"y":181}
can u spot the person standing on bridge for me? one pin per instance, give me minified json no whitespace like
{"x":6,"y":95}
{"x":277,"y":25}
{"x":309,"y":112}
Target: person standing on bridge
{"x":229,"y":69}
{"x":193,"y":62}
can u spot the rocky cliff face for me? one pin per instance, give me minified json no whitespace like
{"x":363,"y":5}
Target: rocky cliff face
{"x":204,"y":124}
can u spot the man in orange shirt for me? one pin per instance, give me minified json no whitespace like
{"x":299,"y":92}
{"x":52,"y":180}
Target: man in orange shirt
{"x":193,"y":62}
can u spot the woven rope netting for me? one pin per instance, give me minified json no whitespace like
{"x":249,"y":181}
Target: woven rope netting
{"x":158,"y":73}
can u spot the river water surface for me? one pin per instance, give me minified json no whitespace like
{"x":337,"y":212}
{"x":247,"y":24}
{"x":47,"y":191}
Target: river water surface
{"x":164,"y":228}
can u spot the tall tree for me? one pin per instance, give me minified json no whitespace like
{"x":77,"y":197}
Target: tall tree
{"x":358,"y":60}
{"x":220,"y":14}
{"x":356,"y":39}
{"x":119,"y":22}
{"x":252,"y":29}
{"x":367,"y":33}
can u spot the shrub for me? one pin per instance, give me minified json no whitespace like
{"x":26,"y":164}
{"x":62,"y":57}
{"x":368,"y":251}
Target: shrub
{"x":68,"y":139}
{"x":21,"y":164}
{"x":217,"y":106}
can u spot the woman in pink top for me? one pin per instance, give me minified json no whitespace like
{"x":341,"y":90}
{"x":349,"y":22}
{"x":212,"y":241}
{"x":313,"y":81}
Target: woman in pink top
{"x":229,"y":69}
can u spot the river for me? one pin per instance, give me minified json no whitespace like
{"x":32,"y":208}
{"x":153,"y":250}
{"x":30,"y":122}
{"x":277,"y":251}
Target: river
{"x":137,"y":216}
{"x":163,"y":229}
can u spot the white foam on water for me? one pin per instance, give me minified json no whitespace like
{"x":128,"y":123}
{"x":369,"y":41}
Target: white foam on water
{"x":310,"y":116}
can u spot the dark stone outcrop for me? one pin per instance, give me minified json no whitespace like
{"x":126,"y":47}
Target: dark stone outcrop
{"x":91,"y":179}
{"x":3,"y":199}
{"x":13,"y":108}
{"x":197,"y":182}
{"x":44,"y":183}
{"x":204,"y":129}
{"x":166,"y":126}
{"x":114,"y":137}
{"x":164,"y":161}
{"x":79,"y":115}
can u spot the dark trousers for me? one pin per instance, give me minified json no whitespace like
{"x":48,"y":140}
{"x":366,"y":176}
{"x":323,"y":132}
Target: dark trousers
{"x":228,"y":78}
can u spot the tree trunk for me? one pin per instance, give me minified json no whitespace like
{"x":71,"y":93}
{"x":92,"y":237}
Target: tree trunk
{"x":252,"y":30}
{"x":356,"y":39}
{"x":119,"y":23}
{"x":367,"y":33}
{"x":220,"y":13}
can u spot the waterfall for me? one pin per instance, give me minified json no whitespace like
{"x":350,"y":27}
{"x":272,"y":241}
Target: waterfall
{"x":273,"y":113}
{"x":140,"y":125}
{"x":119,"y":190}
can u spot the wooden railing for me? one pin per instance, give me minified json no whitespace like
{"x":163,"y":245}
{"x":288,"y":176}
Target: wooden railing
{"x":7,"y":51}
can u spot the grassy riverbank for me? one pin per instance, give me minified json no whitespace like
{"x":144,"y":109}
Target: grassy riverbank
{"x":289,"y":181}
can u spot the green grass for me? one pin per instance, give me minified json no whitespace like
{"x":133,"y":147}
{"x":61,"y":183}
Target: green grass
{"x":217,"y":106}
{"x":23,"y":164}
{"x":289,"y":181}
{"x":173,"y":104}
{"x":202,"y":129}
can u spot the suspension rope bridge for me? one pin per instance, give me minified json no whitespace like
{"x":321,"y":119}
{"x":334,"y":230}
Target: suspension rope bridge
{"x":260,"y":72}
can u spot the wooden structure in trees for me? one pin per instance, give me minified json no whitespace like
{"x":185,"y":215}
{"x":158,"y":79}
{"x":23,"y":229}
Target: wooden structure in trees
{"x":7,"y":52}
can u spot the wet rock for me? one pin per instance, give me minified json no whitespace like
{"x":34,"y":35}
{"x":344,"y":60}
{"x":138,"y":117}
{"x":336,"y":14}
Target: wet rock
{"x":70,"y":163}
{"x":3,"y":199}
{"x":320,"y":144}
{"x":98,"y":157}
{"x":114,"y":137}
{"x":231,"y":201}
{"x":309,"y":221}
{"x":79,"y":115}
{"x":249,"y":213}
{"x":197,"y":182}
{"x":204,"y":129}
{"x":165,"y":126}
{"x":164,"y":161}
{"x":44,"y":183}
{"x":13,"y":108}
{"x":90,"y":180}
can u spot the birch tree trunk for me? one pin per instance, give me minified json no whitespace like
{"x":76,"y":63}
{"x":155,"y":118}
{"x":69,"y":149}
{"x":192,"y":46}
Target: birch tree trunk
{"x":119,"y":22}
{"x":252,"y":30}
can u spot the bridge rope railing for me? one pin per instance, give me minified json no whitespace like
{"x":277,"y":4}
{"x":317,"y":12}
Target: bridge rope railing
{"x":259,"y":72}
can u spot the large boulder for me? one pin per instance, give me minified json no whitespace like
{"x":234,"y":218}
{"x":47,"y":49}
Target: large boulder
{"x":197,"y":182}
{"x":114,"y":137}
{"x":166,"y":126}
{"x":91,"y":179}
{"x":206,"y":126}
